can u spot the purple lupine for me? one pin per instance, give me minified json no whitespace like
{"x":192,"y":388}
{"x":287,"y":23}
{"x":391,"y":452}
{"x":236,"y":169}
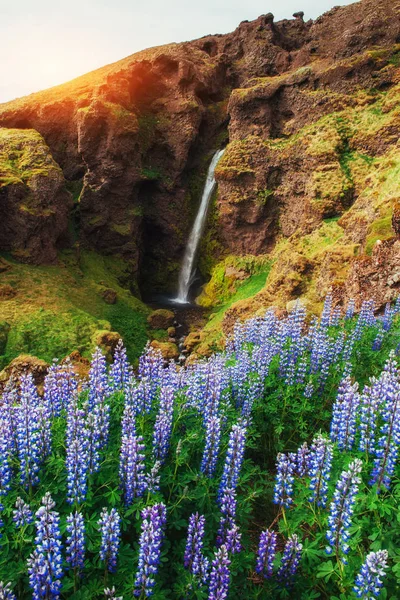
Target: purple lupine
{"x":22,"y":515}
{"x":6,"y":451}
{"x":345,"y":412}
{"x":228,"y":514}
{"x":163,"y":424}
{"x":303,"y":460}
{"x":52,"y":389}
{"x":98,"y":392}
{"x":368,"y":583}
{"x":28,"y":432}
{"x":290,"y":560}
{"x":350,"y":310}
{"x":370,"y":402}
{"x":77,"y":455}
{"x":152,"y":479}
{"x":387,"y":447}
{"x":75,"y":545}
{"x":254,"y":391}
{"x":266,"y":554}
{"x":150,"y":373}
{"x":120,"y":371}
{"x":151,"y":538}
{"x":131,"y":467}
{"x":44,"y":423}
{"x":320,"y":468}
{"x":234,"y":459}
{"x":92,"y":428}
{"x":220,"y":575}
{"x":193,"y":559}
{"x":109,"y":523}
{"x":326,"y":312}
{"x":6,"y":592}
{"x":378,"y":341}
{"x":233,"y":539}
{"x":45,"y":563}
{"x":111,"y":594}
{"x":211,"y":450}
{"x":342,"y":508}
{"x":285,"y":469}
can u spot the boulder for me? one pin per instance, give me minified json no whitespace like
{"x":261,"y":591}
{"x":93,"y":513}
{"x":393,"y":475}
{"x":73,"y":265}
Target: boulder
{"x":7,"y":292}
{"x":168,"y":350}
{"x":109,"y":296}
{"x":192,"y":340}
{"x":25,"y":363}
{"x":161,"y":319}
{"x":107,"y":341}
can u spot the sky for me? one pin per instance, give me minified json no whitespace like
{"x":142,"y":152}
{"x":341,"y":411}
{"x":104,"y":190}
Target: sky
{"x":47,"y":42}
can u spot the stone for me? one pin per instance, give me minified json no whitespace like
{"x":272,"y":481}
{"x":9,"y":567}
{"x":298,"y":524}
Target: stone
{"x":7,"y":292}
{"x":171,"y":331}
{"x":299,"y":15}
{"x":109,"y":296}
{"x":192,"y":340}
{"x":107,"y":341}
{"x":161,"y":319}
{"x":168,"y":350}
{"x":23,"y":364}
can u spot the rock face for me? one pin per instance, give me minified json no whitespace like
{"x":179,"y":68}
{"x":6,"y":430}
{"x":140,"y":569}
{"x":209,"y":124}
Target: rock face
{"x":34,"y":202}
{"x":133,"y":141}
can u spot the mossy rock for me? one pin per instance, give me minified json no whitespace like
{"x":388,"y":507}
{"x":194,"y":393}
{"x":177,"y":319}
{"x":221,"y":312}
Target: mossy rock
{"x":25,"y":363}
{"x":107,"y":341}
{"x":161,"y":319}
{"x":4,"y":330}
{"x":168,"y":350}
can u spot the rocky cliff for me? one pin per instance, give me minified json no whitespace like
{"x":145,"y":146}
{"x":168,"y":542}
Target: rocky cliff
{"x":310,"y":115}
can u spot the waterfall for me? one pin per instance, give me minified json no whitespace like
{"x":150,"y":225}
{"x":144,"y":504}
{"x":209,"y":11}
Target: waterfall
{"x":188,"y":263}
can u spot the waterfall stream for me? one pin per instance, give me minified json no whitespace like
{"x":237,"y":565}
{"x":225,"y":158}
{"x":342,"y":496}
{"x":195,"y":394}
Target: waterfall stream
{"x":188,"y":263}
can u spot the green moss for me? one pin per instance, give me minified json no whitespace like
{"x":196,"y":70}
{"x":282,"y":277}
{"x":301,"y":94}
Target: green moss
{"x":381,"y":229}
{"x":58,"y":308}
{"x":75,"y":188}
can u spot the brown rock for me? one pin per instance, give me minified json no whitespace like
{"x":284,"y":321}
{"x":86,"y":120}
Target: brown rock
{"x":109,"y":296}
{"x":161,"y":319}
{"x":171,"y":331}
{"x":192,"y":340}
{"x":107,"y":341}
{"x":168,"y":350}
{"x":7,"y":292}
{"x":4,"y":265}
{"x":23,"y":364}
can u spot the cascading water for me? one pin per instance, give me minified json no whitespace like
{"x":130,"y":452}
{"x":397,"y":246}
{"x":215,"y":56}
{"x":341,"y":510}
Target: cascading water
{"x":187,"y":269}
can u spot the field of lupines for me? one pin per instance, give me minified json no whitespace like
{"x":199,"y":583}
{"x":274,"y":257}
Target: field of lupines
{"x":267,"y":471}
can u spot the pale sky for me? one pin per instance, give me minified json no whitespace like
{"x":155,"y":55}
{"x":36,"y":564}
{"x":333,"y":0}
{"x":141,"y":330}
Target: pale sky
{"x":47,"y":42}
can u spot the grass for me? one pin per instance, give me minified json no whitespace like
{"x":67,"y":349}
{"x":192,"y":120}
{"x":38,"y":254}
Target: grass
{"x":58,"y":309}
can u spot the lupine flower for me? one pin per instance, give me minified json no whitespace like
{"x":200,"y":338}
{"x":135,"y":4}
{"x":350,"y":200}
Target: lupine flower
{"x":211,"y":450}
{"x":378,"y":341}
{"x":266,"y":554}
{"x":303,"y":460}
{"x":350,"y":310}
{"x":370,"y":402}
{"x":6,"y":592}
{"x":110,"y":593}
{"x":77,"y":454}
{"x":22,"y":515}
{"x":220,"y":575}
{"x":194,"y":559}
{"x":234,"y":459}
{"x":233,"y":539}
{"x":131,"y":467}
{"x":110,"y":537}
{"x":154,"y":520}
{"x":387,"y":447}
{"x":320,"y":466}
{"x":341,"y":509}
{"x":120,"y":370}
{"x":368,"y":582}
{"x":6,"y":448}
{"x":28,"y":432}
{"x":163,"y":424}
{"x":285,"y":468}
{"x":98,"y":392}
{"x":45,"y":564}
{"x":345,"y":411}
{"x":228,"y":514}
{"x":152,"y":479}
{"x":290,"y":560}
{"x":75,"y":545}
{"x":92,"y":427}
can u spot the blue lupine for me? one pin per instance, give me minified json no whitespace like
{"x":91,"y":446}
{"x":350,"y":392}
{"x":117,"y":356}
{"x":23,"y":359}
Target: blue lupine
{"x":342,"y":508}
{"x":163,"y":424}
{"x":266,"y":554}
{"x":22,"y":515}
{"x":378,"y":341}
{"x":194,"y":559}
{"x":290,"y":560}
{"x":387,"y":447}
{"x":370,"y":402}
{"x":45,"y":563}
{"x":350,"y":310}
{"x":220,"y":575}
{"x":345,"y":412}
{"x":93,"y":435}
{"x":6,"y":451}
{"x":44,"y":416}
{"x":75,"y":544}
{"x":151,"y":538}
{"x":28,"y":432}
{"x":52,"y":389}
{"x":285,"y":468}
{"x":228,"y":514}
{"x":150,"y":372}
{"x":326,"y":312}
{"x":6,"y":592}
{"x":109,"y":523}
{"x":132,"y":467}
{"x":77,"y":453}
{"x":211,"y":450}
{"x":234,"y":459}
{"x":319,"y":468}
{"x":303,"y":460}
{"x":120,"y":370}
{"x":152,"y":479}
{"x":111,"y":594}
{"x":98,"y":407}
{"x":368,"y":583}
{"x":233,"y":539}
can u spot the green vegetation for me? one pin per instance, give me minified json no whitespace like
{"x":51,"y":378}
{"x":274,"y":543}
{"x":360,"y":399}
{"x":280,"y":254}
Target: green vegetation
{"x":58,"y":309}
